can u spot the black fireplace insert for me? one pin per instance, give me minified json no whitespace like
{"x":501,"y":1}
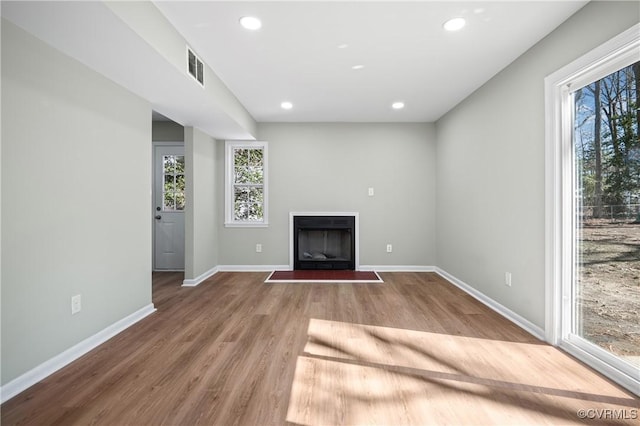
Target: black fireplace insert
{"x":324,"y":242}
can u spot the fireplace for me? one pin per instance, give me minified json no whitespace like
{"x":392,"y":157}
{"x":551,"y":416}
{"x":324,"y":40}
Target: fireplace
{"x":324,"y":242}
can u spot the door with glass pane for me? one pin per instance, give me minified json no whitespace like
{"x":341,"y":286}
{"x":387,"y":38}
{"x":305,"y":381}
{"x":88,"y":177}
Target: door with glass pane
{"x":168,"y":209}
{"x":606,"y":272}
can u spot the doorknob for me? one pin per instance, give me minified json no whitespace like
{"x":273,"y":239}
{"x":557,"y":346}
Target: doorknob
{"x":158,"y":217}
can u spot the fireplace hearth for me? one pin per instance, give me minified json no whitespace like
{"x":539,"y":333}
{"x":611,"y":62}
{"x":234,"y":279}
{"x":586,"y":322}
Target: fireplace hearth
{"x":324,"y":242}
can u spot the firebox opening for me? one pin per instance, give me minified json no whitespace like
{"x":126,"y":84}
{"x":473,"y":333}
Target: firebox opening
{"x":324,"y":242}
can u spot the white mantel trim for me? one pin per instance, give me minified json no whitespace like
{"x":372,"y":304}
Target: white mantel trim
{"x":357,"y":225}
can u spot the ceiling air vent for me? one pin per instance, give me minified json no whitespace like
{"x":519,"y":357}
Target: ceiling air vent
{"x":196,"y":68}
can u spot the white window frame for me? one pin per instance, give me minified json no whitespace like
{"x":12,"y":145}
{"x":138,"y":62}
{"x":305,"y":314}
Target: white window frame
{"x":230,"y":221}
{"x":619,"y":52}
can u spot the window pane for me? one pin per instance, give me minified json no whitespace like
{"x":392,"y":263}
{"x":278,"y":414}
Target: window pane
{"x":241,"y":157}
{"x":242,"y":175}
{"x":169,"y":185}
{"x":169,"y":164}
{"x":607,"y":247}
{"x":255,"y":212}
{"x":169,"y":201}
{"x":179,"y":163}
{"x":255,"y":195}
{"x":179,"y":197}
{"x":241,"y":212}
{"x":256,"y":157}
{"x":256,"y":174}
{"x":180,"y":183}
{"x":241,"y":194}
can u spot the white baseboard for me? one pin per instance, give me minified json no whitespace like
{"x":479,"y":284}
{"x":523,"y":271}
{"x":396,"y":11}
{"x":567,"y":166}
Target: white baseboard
{"x":54,"y":364}
{"x":378,"y":268}
{"x":518,"y":320}
{"x":253,"y":268}
{"x":398,"y":268}
{"x":197,"y":280}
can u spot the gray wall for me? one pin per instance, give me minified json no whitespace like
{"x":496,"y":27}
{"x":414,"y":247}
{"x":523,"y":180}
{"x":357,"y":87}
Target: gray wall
{"x":76,"y":192}
{"x":167,"y":131}
{"x":201,"y":211}
{"x":490,"y":196}
{"x":329,"y":167}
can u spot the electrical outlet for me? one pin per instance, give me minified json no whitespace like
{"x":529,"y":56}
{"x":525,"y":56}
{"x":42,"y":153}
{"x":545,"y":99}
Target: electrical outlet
{"x":258,"y":248}
{"x":389,"y":248}
{"x":76,"y":304}
{"x":507,"y":279}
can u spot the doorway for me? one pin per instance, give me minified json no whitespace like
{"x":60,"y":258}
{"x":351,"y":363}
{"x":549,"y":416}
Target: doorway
{"x":168,"y":207}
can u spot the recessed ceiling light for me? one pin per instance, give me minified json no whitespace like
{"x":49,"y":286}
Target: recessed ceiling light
{"x":286,"y":105}
{"x":357,"y":67}
{"x":343,"y":46}
{"x":250,"y":23}
{"x":454,"y":24}
{"x":397,"y":105}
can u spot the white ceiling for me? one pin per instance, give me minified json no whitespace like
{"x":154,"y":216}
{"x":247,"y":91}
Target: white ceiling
{"x":407,"y":56}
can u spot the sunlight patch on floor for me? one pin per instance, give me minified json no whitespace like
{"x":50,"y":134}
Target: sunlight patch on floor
{"x":363,"y":374}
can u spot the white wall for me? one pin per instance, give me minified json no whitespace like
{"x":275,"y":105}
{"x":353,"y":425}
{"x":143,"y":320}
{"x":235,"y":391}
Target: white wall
{"x":201,"y":211}
{"x":76,"y":191}
{"x":490,"y":195}
{"x":329,"y":167}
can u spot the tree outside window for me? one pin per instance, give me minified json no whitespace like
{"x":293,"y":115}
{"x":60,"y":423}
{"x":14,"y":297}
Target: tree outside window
{"x":246,"y":183}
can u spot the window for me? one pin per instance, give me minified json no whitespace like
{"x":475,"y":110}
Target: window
{"x":173,"y":183}
{"x":246,"y":184}
{"x":592,"y":192}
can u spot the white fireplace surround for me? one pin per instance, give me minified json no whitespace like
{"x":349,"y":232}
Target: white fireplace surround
{"x":357,"y":230}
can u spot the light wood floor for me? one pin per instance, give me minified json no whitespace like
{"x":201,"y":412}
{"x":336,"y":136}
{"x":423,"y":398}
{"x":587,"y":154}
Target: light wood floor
{"x":236,"y":351}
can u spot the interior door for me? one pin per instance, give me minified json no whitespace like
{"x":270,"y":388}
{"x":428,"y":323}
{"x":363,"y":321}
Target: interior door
{"x":168,"y":209}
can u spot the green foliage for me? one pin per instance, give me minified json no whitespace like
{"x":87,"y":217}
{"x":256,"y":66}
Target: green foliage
{"x":174,"y":183}
{"x":248,"y":175}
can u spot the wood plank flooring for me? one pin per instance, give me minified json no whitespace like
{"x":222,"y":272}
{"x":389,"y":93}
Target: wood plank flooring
{"x":235,"y":351}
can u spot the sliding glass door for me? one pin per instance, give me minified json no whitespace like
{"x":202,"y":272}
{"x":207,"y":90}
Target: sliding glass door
{"x":605,"y":293}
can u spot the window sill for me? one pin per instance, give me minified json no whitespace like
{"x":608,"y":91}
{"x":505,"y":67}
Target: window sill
{"x":246,"y":225}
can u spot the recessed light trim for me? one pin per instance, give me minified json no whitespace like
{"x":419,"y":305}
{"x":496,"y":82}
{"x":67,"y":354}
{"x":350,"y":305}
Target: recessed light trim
{"x":357,"y":67}
{"x":286,"y":105}
{"x":250,"y":23}
{"x":343,"y":46}
{"x":397,"y":105}
{"x":454,"y":24}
